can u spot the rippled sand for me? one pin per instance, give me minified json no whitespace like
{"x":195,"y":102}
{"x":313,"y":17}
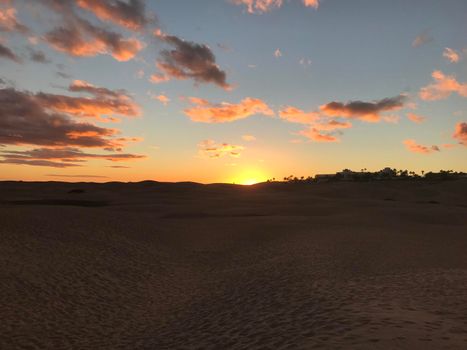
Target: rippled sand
{"x":279,"y":266}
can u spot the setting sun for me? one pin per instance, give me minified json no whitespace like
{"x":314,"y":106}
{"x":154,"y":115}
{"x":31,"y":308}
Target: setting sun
{"x":249,"y":177}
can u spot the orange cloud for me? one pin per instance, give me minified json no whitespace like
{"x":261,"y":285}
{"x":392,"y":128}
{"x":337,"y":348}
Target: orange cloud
{"x":206,"y":112}
{"x":211,"y":149}
{"x":315,"y":135}
{"x":104,"y":103}
{"x":26,"y":120}
{"x":79,"y":37}
{"x":365,"y":111}
{"x":443,"y":87}
{"x":451,"y":55}
{"x":9,"y":23}
{"x":130,"y":15}
{"x":296,"y":115}
{"x":416,"y":118}
{"x":162,"y":99}
{"x":412,"y":146}
{"x":460,"y":133}
{"x":311,"y":3}
{"x":332,"y":125}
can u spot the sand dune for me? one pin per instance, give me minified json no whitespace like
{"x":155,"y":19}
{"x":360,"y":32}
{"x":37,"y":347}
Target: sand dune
{"x":274,"y":266}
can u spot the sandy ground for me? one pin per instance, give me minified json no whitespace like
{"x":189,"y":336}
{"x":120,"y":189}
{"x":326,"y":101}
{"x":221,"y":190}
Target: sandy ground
{"x":185,"y":266}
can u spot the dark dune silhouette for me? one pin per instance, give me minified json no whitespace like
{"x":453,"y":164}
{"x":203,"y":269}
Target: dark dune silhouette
{"x":350,"y":265}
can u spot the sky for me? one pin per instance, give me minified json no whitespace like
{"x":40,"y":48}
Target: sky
{"x":230,"y":90}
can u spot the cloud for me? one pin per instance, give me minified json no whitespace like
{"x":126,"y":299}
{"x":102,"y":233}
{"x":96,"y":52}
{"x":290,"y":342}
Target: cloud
{"x":206,"y":112}
{"x":25,"y":119}
{"x":296,"y":115}
{"x":5,"y":52}
{"x":79,"y":37}
{"x":249,"y":138}
{"x":129,"y":14}
{"x":9,"y":23}
{"x":188,"y":60}
{"x":315,"y":135}
{"x":162,"y":99}
{"x":413,"y":146}
{"x":320,"y":128}
{"x":443,"y":87}
{"x":211,"y":149}
{"x":80,"y":176}
{"x":59,"y":157}
{"x":332,"y":125}
{"x":460,"y":133}
{"x":365,"y":111}
{"x":451,"y":55}
{"x":422,"y":39}
{"x":38,"y":56}
{"x":278,"y":53}
{"x":311,"y":3}
{"x":305,"y":62}
{"x":104,"y":104}
{"x":416,"y":118}
{"x":259,"y":6}
{"x":42,"y":163}
{"x":262,"y":6}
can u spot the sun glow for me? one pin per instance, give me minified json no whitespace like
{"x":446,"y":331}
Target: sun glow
{"x":249,"y":177}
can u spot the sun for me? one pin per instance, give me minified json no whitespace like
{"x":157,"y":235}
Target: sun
{"x":249,"y":182}
{"x":249,"y":177}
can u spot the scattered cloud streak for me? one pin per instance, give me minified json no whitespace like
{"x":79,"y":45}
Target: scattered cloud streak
{"x":59,"y":157}
{"x":414,"y":147}
{"x":205,"y":112}
{"x":211,"y":149}
{"x":262,"y":6}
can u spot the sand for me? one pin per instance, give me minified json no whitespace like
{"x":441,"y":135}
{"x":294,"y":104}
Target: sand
{"x":379,"y":265}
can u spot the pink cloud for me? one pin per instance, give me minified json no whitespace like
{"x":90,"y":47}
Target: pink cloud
{"x":416,"y":118}
{"x":413,"y":146}
{"x":451,"y":55}
{"x":206,"y":112}
{"x":460,"y":133}
{"x":296,"y":115}
{"x":315,"y":135}
{"x":443,"y":87}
